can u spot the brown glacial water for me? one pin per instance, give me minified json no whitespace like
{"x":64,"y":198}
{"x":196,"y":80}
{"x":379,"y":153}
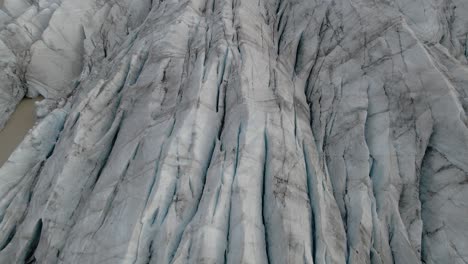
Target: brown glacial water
{"x":17,"y":127}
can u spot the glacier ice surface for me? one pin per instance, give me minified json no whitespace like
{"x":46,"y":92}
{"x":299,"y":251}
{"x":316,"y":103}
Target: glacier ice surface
{"x":236,"y":131}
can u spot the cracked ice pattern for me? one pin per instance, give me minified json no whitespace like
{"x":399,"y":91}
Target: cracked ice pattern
{"x":237,"y":131}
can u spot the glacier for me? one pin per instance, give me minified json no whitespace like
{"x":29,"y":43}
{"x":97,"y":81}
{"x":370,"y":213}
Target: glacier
{"x":236,"y":131}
